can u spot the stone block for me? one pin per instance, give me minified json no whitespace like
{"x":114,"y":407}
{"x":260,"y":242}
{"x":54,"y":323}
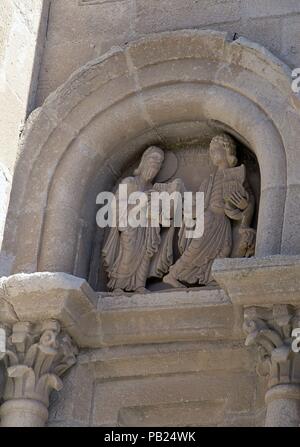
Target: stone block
{"x":166,"y":317}
{"x":162,"y":15}
{"x":29,"y":12}
{"x":19,"y":37}
{"x":184,"y":414}
{"x":6,"y":12}
{"x":290,"y":40}
{"x":53,"y":72}
{"x":177,"y":358}
{"x":234,"y":392}
{"x":268,"y":8}
{"x":260,"y":281}
{"x":20,"y":52}
{"x":63,"y":407}
{"x":77,"y":35}
{"x":71,"y":23}
{"x":291,"y":233}
{"x":265,"y":31}
{"x":12,"y":117}
{"x":58,"y":296}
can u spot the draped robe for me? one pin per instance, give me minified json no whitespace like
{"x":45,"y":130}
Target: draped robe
{"x":198,"y":254}
{"x":131,"y":254}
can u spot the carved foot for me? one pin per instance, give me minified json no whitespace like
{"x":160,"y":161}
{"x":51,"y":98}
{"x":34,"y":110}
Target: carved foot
{"x":212,"y":283}
{"x":118,"y":292}
{"x":169,"y":279}
{"x":142,"y":290}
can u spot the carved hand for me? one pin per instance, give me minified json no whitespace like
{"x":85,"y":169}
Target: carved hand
{"x":238,"y":200}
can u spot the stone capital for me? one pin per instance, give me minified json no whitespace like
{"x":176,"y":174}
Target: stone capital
{"x":270,"y":329}
{"x":36,"y":356}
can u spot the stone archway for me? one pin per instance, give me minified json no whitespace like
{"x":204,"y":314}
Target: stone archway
{"x":99,"y":119}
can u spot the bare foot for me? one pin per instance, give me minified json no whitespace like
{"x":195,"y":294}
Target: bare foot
{"x":142,"y":290}
{"x":118,"y":292}
{"x":169,"y":279}
{"x":212,"y":283}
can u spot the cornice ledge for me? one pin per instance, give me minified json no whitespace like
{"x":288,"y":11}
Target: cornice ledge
{"x":41,"y":296}
{"x":260,"y":281}
{"x":97,"y":320}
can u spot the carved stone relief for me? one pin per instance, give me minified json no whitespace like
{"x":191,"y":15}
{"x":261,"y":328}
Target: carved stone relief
{"x":132,"y":256}
{"x":35,"y":359}
{"x":270,"y":330}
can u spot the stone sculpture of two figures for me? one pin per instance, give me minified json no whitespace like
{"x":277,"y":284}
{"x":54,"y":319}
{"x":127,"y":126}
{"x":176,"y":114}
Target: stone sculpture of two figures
{"x":132,"y":255}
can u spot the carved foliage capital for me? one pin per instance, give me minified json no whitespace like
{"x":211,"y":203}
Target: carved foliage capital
{"x":270,"y":330}
{"x":35,"y":358}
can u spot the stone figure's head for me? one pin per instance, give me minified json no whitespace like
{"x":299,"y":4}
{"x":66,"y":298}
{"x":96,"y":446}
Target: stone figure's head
{"x":151,"y":163}
{"x":222,"y":151}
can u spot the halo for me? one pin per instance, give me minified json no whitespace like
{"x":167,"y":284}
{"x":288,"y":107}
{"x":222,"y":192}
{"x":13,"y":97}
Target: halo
{"x":169,"y":167}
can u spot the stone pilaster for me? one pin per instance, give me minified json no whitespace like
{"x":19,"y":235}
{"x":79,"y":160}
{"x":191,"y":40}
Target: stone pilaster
{"x":270,"y":331}
{"x":36,"y":356}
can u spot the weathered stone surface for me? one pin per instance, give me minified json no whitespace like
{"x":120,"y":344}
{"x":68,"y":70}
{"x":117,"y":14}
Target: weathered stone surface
{"x":134,"y":255}
{"x":21,"y":38}
{"x":261,"y":31}
{"x":202,"y":314}
{"x":172,"y":357}
{"x":197,"y":413}
{"x":170,"y":102}
{"x":227,"y":200}
{"x":153,"y":15}
{"x":148,"y":384}
{"x":97,"y":26}
{"x":140,"y":361}
{"x":23,"y":413}
{"x":290,"y":45}
{"x":267,"y":8}
{"x":272,"y":332}
{"x":168,"y":316}
{"x":35,"y":358}
{"x":69,"y":23}
{"x":200,"y":391}
{"x":48,"y":296}
{"x":63,"y":407}
{"x":271,"y":280}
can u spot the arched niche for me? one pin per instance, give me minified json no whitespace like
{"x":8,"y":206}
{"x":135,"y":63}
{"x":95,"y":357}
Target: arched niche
{"x":91,"y":128}
{"x":188,"y":142}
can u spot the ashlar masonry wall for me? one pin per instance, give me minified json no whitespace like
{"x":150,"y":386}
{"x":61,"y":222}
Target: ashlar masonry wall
{"x":22,"y":32}
{"x":81,"y":30}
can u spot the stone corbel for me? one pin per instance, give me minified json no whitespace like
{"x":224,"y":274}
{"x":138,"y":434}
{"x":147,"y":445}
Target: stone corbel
{"x":36,"y":356}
